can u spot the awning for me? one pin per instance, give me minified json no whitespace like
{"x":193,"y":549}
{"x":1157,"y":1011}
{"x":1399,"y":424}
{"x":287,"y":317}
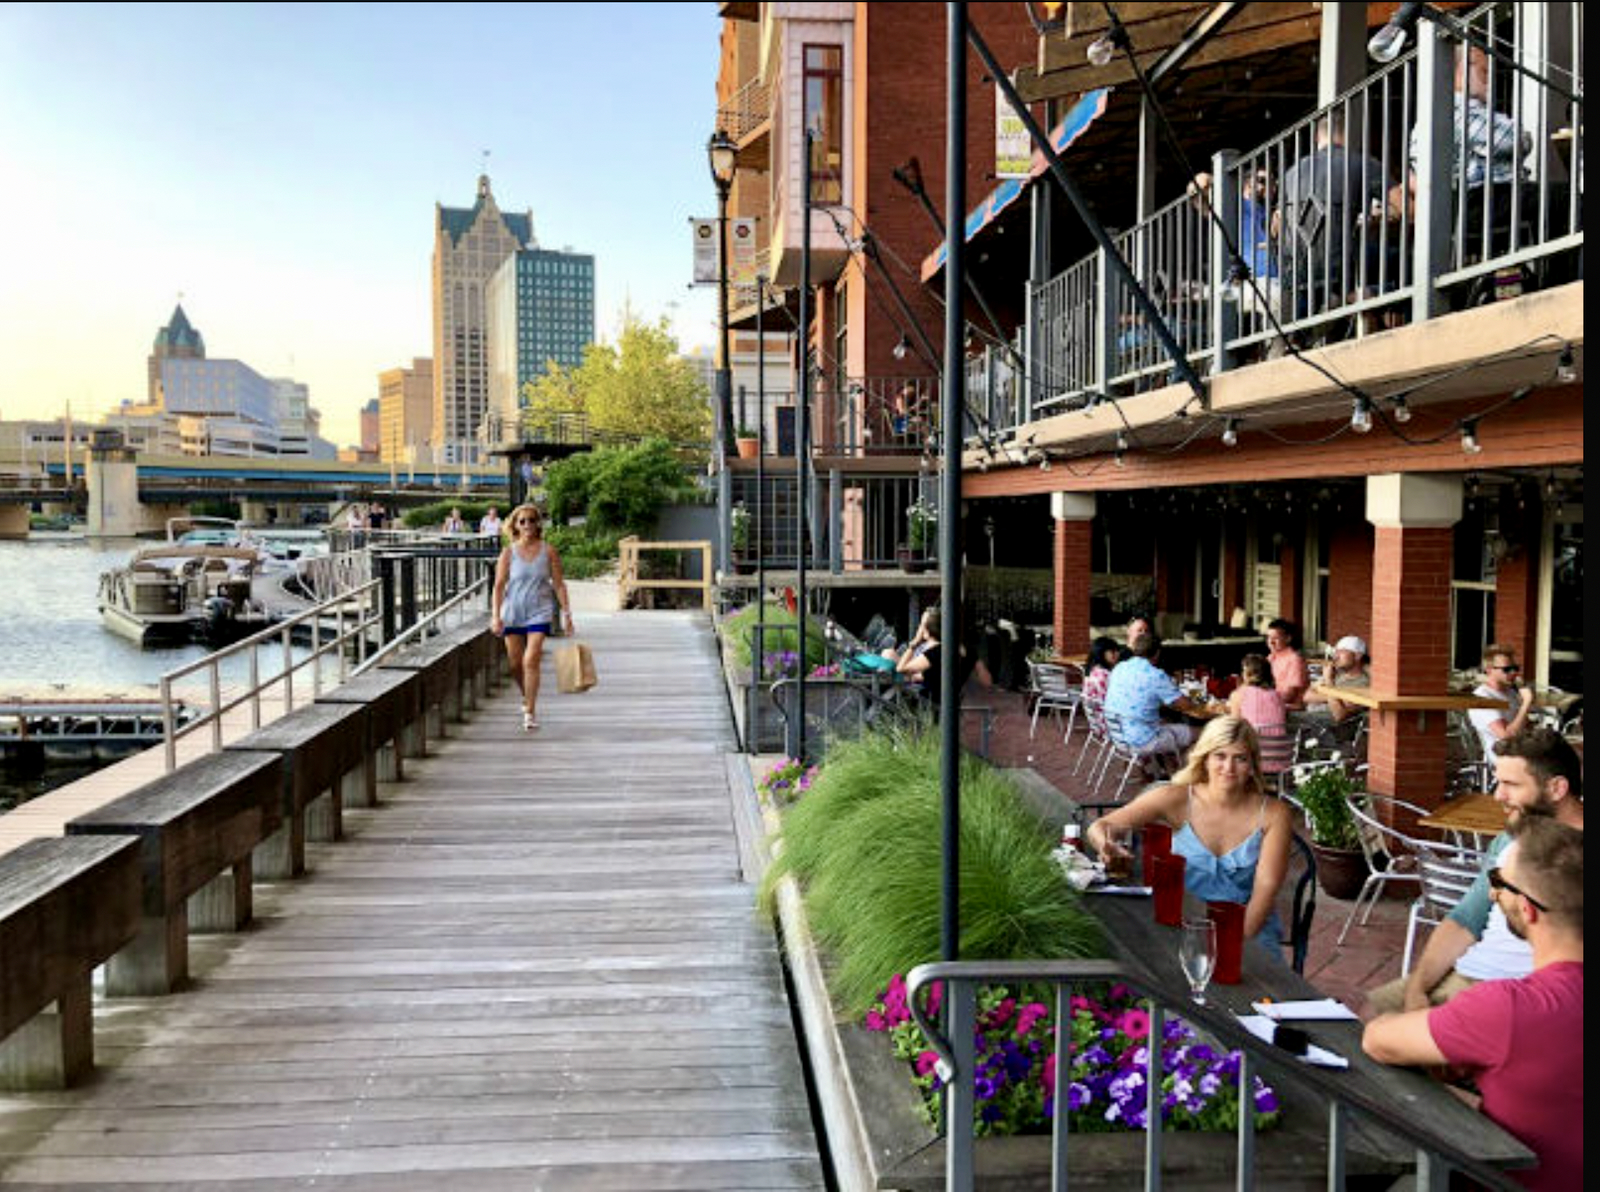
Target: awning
{"x":1089,"y":107}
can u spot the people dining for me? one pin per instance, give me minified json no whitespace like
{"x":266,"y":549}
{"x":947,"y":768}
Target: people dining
{"x":1234,"y":836}
{"x":1257,"y":701}
{"x":1348,"y":669}
{"x":1538,"y":773}
{"x":1135,"y":694}
{"x":1104,"y":655}
{"x":1519,"y":1040}
{"x":1500,"y":675}
{"x":1290,"y":675}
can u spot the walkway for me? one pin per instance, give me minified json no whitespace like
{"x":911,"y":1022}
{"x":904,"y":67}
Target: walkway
{"x":533,"y":966}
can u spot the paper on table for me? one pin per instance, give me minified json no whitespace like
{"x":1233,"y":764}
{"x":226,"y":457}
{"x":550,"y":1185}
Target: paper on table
{"x":1315,"y":1010}
{"x":1262,"y":1029}
{"x":1118,"y":890}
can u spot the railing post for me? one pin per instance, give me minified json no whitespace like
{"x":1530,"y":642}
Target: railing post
{"x":1435,"y":175}
{"x":169,"y":726}
{"x":959,"y":1093}
{"x":1336,"y":1128}
{"x":1104,"y":322}
{"x":216,"y":706}
{"x":725,"y":518}
{"x":835,"y":521}
{"x":1225,"y":313}
{"x":386,"y":596}
{"x":1246,"y":1179}
{"x":408,"y":592}
{"x":1153,"y":1097}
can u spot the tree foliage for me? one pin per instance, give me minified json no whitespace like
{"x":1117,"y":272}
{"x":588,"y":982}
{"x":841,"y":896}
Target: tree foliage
{"x":615,"y":488}
{"x":639,"y":386}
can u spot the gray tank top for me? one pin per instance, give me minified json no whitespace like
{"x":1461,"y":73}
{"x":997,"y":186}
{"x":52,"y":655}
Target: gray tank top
{"x":530,"y":595}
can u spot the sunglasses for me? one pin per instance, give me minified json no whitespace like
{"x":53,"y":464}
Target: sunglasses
{"x":1498,"y":881}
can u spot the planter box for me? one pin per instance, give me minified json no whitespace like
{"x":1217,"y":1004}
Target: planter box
{"x":877,"y":1139}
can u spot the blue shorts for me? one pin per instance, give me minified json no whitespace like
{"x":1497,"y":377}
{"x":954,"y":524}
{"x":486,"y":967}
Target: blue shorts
{"x":525,"y":630}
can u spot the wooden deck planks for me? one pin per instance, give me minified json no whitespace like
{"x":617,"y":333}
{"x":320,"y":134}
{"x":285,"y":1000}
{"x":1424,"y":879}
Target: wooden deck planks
{"x":534,"y":966}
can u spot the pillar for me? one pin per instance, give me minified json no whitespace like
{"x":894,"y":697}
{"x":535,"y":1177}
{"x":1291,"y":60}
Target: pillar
{"x":1413,"y":516}
{"x":112,"y":478}
{"x":1289,"y":589}
{"x":1074,"y":518}
{"x":1516,"y":584}
{"x":1350,"y":583}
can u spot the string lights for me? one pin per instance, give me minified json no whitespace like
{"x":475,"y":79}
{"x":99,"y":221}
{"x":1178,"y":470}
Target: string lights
{"x":1469,"y":437}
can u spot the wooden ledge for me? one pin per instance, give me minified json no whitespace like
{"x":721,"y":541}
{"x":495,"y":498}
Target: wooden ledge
{"x":1446,"y":701}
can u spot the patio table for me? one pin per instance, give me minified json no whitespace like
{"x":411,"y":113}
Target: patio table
{"x":1380,"y":1092}
{"x":1478,"y":813}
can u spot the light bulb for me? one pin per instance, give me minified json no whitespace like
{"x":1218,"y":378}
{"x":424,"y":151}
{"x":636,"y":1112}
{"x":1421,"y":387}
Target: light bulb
{"x":901,"y":348}
{"x":1386,"y":44}
{"x":1361,"y":416}
{"x":1118,"y":460}
{"x":1044,"y":464}
{"x":1566,"y":369}
{"x":1102,"y":50}
{"x":1402,"y":411}
{"x":1122,"y":442}
{"x":1469,"y":438}
{"x":1230,"y":436}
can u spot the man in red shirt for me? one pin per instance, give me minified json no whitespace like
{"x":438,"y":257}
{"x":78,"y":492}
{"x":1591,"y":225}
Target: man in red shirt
{"x":1290,"y":675}
{"x":1521,"y":1040}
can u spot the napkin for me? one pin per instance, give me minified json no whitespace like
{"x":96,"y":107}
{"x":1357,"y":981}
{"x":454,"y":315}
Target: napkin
{"x":1262,"y":1027}
{"x":1106,"y":889}
{"x":1317,"y":1010}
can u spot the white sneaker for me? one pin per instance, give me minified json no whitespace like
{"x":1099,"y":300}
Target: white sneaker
{"x":528,"y":722}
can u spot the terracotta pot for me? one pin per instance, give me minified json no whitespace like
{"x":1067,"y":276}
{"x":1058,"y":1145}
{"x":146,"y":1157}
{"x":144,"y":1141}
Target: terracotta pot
{"x":748,"y":448}
{"x":1340,"y":871}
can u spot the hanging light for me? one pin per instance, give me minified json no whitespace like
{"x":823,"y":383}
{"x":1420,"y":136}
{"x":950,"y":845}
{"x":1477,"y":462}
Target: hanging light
{"x":1469,"y":437}
{"x":901,"y":348}
{"x":1361,"y":416}
{"x":1402,"y":412}
{"x":1566,"y":366}
{"x":1387,"y":43}
{"x":1118,"y":460}
{"x":1230,"y":434}
{"x":1104,"y":48}
{"x":1044,"y":464}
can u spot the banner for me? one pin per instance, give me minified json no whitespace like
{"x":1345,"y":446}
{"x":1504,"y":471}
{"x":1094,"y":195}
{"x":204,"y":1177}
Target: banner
{"x":705,"y":251}
{"x":1013,"y":150}
{"x":742,"y":253}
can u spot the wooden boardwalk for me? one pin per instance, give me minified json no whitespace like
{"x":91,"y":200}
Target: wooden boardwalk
{"x":534,"y":965}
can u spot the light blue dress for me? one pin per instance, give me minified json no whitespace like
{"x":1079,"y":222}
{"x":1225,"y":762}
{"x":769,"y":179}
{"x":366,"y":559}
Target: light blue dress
{"x":1230,"y":877}
{"x":530,"y":597}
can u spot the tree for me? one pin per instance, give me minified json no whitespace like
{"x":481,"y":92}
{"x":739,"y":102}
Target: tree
{"x":642,"y":386}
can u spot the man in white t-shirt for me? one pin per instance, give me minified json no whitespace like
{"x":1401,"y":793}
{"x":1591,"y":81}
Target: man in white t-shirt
{"x":1500,"y":672}
{"x":1538,"y":774}
{"x":489,"y":523}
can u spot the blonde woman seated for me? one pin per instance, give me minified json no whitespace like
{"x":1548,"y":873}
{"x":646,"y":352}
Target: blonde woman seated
{"x":1232,"y":834}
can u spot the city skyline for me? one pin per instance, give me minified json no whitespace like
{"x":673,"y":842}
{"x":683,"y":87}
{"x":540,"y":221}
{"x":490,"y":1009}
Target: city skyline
{"x":281,"y":183}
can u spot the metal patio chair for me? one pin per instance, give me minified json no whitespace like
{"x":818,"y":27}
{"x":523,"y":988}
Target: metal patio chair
{"x":1386,"y":850}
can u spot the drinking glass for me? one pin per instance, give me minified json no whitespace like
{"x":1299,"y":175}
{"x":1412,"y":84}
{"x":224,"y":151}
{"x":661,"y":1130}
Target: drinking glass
{"x":1197,"y":954}
{"x":1118,"y":858}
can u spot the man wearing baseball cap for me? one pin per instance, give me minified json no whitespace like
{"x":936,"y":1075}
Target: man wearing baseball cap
{"x":1349,"y":669}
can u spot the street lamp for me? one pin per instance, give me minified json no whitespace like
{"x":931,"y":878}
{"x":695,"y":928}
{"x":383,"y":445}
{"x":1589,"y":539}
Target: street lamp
{"x":722,"y":154}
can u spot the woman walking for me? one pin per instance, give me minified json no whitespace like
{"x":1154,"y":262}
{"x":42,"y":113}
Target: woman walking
{"x":528,"y":590}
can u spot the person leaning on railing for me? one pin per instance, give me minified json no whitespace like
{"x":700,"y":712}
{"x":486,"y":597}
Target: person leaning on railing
{"x":1537,"y":773}
{"x":1520,"y":1040}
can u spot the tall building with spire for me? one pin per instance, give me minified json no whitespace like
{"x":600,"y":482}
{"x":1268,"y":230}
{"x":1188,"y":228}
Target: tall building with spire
{"x":176,"y":341}
{"x":469,"y":244}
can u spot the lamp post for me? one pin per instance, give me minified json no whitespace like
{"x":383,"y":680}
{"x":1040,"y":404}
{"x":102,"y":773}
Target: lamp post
{"x":722,"y":155}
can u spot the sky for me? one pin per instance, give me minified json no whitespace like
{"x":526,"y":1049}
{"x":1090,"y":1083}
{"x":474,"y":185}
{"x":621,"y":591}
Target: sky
{"x":277,"y":166}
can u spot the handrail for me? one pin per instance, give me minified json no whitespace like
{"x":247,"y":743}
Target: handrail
{"x":423,"y":626}
{"x":366,"y":618}
{"x":962,"y":978}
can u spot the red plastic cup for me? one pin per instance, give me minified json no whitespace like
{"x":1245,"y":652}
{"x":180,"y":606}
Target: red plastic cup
{"x":1229,"y":918}
{"x":1168,"y":883}
{"x":1155,"y":841}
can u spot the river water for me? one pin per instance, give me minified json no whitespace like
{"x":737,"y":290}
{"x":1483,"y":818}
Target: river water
{"x":52,"y":639}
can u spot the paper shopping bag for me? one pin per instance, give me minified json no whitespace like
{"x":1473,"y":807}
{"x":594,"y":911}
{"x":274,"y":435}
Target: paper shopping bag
{"x":575,"y":668}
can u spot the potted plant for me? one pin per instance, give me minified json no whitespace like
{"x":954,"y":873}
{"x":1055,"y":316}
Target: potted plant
{"x":922,"y":523}
{"x":748,"y":442}
{"x":1341,"y":865}
{"x":739,"y":535}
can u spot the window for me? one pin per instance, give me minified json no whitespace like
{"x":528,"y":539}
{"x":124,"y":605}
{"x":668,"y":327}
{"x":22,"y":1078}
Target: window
{"x":824,"y":115}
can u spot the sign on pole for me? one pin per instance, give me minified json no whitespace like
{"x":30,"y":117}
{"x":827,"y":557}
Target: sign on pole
{"x":742,"y":255}
{"x":1013,"y":151}
{"x":705,"y":251}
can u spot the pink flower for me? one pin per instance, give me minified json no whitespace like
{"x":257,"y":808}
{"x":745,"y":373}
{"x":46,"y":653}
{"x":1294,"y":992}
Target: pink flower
{"x":876,"y":1021}
{"x":1049,"y":1075}
{"x":926,"y":1061}
{"x":1001,"y":1014}
{"x":1120,"y":993}
{"x":1135,"y":1024}
{"x":1030,"y":1014}
{"x":935,"y":996}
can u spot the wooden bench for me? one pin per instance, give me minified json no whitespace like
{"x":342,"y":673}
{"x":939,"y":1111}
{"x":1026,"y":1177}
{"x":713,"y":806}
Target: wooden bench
{"x":66,"y":905}
{"x":325,"y":762}
{"x":480,"y":653}
{"x":198,"y":828}
{"x":438,"y":662}
{"x":395,"y":725}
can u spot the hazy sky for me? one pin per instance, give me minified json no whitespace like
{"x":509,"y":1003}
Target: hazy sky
{"x":278,"y":166}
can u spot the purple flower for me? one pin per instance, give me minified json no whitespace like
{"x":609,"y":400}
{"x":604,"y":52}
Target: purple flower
{"x":1078,"y":1095}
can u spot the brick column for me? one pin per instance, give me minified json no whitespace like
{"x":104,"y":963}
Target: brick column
{"x":1516,"y":587}
{"x":1350,"y":583}
{"x":1074,"y":516}
{"x":1289,"y":604}
{"x":1410,"y":639}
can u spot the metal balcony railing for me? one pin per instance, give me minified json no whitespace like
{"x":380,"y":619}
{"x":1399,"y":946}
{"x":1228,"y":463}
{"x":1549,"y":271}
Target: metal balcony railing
{"x":855,"y":522}
{"x":745,"y":110}
{"x":880,"y":416}
{"x":1447,"y":166}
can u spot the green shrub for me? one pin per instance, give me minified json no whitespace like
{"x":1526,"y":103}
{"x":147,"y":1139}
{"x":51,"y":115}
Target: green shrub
{"x":432,"y":515}
{"x":616,"y":488}
{"x":865,"y":845}
{"x":585,"y":552}
{"x":739,"y":630}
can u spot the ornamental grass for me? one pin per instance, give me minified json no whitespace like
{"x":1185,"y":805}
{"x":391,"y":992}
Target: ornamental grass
{"x":781,"y":634}
{"x":864,"y":844}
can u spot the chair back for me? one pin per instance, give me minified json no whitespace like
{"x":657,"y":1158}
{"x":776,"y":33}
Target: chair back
{"x":1447,"y":871}
{"x":1277,"y":752}
{"x":1384,"y":847}
{"x":1297,"y":902}
{"x":1050,"y":680}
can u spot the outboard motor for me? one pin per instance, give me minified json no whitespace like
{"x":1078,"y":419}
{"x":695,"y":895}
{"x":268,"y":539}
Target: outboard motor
{"x":219,"y":619}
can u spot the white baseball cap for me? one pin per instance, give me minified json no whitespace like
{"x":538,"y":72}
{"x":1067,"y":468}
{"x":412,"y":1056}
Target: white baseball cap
{"x":1352,"y":643}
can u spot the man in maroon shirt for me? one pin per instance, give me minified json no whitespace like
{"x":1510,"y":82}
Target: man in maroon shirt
{"x":1521,"y":1040}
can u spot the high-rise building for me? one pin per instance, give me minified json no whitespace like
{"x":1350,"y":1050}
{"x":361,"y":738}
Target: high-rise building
{"x":469,"y":244}
{"x":293,"y":400}
{"x":177,"y":340}
{"x":405,"y":413}
{"x":541,"y":308}
{"x":369,"y":429}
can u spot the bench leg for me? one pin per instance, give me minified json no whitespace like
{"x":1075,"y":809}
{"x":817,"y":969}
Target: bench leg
{"x":324,"y":814}
{"x":358,"y":787}
{"x":414,"y":737}
{"x":389,"y":766}
{"x":436,"y":719}
{"x":225,"y":903}
{"x":54,"y":1048}
{"x":283,"y":854}
{"x":156,"y":962}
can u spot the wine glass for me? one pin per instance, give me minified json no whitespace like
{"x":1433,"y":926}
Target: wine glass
{"x":1197,"y":954}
